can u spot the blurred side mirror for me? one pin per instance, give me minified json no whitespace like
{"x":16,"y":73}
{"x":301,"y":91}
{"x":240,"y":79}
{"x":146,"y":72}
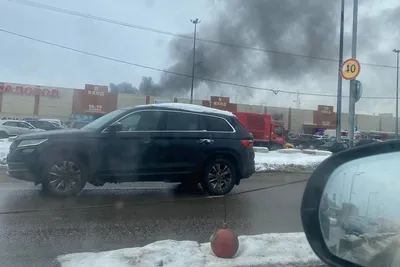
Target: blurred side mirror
{"x":344,"y":195}
{"x":114,"y":127}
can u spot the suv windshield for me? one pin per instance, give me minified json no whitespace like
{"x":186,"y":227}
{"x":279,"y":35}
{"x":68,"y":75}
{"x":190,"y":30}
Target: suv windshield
{"x":100,"y":122}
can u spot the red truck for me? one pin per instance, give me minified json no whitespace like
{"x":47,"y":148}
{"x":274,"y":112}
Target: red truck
{"x":266,"y":133}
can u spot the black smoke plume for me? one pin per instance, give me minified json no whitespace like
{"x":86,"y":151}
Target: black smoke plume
{"x":306,"y":27}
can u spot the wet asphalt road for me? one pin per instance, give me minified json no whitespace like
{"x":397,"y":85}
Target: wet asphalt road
{"x":34,"y":228}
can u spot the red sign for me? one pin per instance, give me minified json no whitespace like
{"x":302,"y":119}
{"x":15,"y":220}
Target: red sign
{"x":220,"y":102}
{"x":29,"y":90}
{"x":327,"y":110}
{"x":98,"y":90}
{"x":94,"y":99}
{"x":324,"y":117}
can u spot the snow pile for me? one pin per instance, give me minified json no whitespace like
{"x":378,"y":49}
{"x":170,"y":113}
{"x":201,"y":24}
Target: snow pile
{"x":4,"y":148}
{"x":261,"y":149}
{"x":289,"y":249}
{"x":277,"y":161}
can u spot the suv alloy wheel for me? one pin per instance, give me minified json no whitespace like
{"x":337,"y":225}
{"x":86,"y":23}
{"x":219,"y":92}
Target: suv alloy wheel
{"x":64,"y":177}
{"x":219,"y":177}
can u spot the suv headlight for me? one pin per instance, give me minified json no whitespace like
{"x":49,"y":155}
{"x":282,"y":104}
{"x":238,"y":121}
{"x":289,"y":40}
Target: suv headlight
{"x":31,"y":142}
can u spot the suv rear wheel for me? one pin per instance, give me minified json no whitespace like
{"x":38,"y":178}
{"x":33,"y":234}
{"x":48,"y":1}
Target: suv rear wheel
{"x":64,"y":177}
{"x":219,"y":177}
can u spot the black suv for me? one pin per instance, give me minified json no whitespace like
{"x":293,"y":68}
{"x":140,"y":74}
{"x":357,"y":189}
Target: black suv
{"x":171,"y":142}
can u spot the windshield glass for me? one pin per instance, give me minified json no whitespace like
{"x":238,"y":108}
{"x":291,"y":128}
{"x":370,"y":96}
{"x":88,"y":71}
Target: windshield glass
{"x":143,"y":119}
{"x":100,"y":122}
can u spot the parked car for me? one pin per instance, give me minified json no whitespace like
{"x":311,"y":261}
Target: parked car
{"x":78,"y":124}
{"x":16,"y":127}
{"x":46,"y":125}
{"x":363,"y":142}
{"x":334,"y":146}
{"x":171,"y":142}
{"x":304,"y":141}
{"x":356,"y":226}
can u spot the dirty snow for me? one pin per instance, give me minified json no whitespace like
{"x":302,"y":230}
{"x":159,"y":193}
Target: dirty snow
{"x":275,"y":161}
{"x":289,"y":249}
{"x":4,"y":148}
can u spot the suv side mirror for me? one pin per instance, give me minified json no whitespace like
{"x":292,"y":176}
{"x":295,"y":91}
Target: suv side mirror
{"x":366,"y":180}
{"x":114,"y":127}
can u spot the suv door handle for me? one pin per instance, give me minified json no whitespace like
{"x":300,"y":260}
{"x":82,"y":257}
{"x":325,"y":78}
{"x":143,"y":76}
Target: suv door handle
{"x":147,"y":141}
{"x":205,"y":141}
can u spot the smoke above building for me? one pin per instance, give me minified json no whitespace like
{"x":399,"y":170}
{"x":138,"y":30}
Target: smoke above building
{"x":272,"y":30}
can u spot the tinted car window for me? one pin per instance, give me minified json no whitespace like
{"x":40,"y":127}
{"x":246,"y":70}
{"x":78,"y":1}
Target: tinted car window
{"x":215,"y":124}
{"x":179,"y":121}
{"x":24,"y":125}
{"x":37,"y":124}
{"x":141,"y":121}
{"x":45,"y":125}
{"x":129,"y":123}
{"x":11,"y":123}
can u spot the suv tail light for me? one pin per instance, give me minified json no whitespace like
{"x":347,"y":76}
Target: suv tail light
{"x":247,"y":143}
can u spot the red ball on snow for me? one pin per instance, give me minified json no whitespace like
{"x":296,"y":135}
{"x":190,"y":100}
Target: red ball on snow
{"x":224,"y":243}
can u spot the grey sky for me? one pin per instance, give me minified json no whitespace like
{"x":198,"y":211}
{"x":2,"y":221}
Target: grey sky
{"x":25,"y":61}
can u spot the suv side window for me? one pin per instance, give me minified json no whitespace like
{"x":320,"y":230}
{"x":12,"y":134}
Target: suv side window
{"x":141,"y":121}
{"x":45,"y":125}
{"x":23,"y":125}
{"x":11,"y":123}
{"x":215,"y":124}
{"x":180,"y":121}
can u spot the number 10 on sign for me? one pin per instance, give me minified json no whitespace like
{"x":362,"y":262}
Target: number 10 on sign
{"x":350,"y":69}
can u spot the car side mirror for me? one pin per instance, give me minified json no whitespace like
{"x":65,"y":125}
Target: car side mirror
{"x":347,"y":192}
{"x":114,"y":127}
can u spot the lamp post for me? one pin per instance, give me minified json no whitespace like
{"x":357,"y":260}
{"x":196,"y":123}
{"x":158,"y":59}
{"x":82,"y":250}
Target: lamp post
{"x":397,"y":51}
{"x":339,"y":89}
{"x":195,"y":22}
{"x":352,"y":100}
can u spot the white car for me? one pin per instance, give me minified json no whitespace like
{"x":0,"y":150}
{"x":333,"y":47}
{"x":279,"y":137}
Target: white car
{"x":16,"y":127}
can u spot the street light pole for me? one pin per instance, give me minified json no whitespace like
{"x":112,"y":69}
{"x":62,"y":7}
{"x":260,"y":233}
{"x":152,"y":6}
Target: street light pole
{"x":195,"y":22}
{"x":352,"y":100}
{"x":397,"y":51}
{"x":339,"y":89}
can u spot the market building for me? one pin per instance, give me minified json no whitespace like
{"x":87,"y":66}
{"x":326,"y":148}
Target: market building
{"x":92,"y":101}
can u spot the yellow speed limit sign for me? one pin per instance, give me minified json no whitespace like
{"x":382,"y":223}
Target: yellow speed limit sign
{"x":350,"y":69}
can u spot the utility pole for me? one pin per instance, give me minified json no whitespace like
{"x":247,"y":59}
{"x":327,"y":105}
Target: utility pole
{"x":353,"y":89}
{"x":195,"y":22}
{"x":339,"y":89}
{"x":397,"y":51}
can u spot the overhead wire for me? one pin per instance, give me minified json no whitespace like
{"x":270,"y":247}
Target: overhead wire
{"x":149,"y":29}
{"x":275,"y":91}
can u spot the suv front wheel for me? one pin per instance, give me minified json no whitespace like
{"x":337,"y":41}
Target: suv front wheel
{"x":219,"y":177}
{"x":64,"y":177}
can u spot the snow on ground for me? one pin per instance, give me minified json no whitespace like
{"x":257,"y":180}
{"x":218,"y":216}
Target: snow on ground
{"x":275,"y":161}
{"x":4,"y":148}
{"x":289,"y":249}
